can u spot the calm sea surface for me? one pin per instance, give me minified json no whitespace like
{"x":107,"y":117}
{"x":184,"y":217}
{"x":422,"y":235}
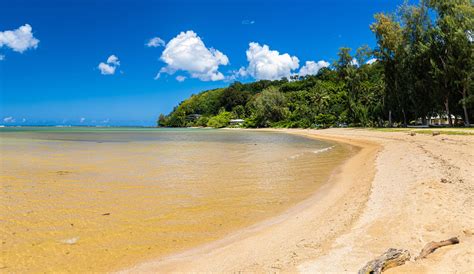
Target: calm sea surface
{"x":100,"y":199}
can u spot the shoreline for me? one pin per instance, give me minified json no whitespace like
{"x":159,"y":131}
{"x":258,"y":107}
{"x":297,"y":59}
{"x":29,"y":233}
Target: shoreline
{"x":289,"y":239}
{"x":398,"y":191}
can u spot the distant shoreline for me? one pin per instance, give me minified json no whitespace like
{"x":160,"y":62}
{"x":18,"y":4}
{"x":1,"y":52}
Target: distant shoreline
{"x":82,"y":126}
{"x":416,"y":129}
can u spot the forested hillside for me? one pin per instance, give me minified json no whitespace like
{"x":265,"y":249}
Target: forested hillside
{"x":424,"y":68}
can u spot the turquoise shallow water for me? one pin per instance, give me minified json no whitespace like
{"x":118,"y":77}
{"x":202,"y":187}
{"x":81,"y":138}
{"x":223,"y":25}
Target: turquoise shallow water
{"x":130,"y":134}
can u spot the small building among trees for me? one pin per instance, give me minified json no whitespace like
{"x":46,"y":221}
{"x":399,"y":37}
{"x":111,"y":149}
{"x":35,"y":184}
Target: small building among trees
{"x":236,"y":122}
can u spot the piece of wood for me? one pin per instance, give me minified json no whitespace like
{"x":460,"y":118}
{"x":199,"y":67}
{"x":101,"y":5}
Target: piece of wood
{"x":432,"y":246}
{"x":391,"y":258}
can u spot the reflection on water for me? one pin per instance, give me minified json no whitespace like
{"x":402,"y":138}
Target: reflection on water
{"x":79,"y":199}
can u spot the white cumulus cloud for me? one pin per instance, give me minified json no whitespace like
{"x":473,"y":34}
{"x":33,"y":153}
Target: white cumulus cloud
{"x":110,"y":66}
{"x":155,"y":42}
{"x":113,"y":60}
{"x":248,"y":22}
{"x":187,"y":52}
{"x":269,"y":64}
{"x":354,"y":62}
{"x":312,"y":68}
{"x":9,"y":119}
{"x":180,"y":78}
{"x":371,"y":61}
{"x":235,"y":74}
{"x":82,"y":120}
{"x":2,"y":57}
{"x":19,"y":39}
{"x":106,"y":69}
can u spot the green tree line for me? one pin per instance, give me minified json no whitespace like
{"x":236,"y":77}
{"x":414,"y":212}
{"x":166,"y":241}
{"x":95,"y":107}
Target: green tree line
{"x":424,"y":68}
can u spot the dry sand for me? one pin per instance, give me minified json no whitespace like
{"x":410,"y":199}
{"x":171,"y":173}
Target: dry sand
{"x":390,"y":194}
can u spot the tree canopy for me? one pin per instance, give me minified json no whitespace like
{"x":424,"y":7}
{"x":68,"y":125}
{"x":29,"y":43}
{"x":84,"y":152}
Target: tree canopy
{"x":423,"y":68}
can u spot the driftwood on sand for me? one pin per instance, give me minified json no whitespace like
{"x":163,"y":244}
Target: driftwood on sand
{"x":432,"y":246}
{"x":391,"y":258}
{"x":396,"y":257}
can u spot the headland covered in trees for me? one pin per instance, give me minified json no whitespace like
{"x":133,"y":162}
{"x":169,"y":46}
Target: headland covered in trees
{"x":423,"y":71}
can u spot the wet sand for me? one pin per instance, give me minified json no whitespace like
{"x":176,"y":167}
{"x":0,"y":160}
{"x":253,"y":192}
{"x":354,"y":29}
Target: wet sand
{"x":398,"y":191}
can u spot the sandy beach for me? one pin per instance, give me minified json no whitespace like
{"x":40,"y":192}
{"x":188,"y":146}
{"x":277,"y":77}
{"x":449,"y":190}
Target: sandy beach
{"x":398,"y":191}
{"x":161,"y":136}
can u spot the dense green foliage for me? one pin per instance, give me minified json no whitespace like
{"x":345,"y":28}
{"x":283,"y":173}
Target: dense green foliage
{"x":424,"y":68}
{"x":220,"y":120}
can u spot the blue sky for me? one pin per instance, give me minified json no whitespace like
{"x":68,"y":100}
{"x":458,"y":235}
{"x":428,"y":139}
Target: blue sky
{"x":57,"y":80}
